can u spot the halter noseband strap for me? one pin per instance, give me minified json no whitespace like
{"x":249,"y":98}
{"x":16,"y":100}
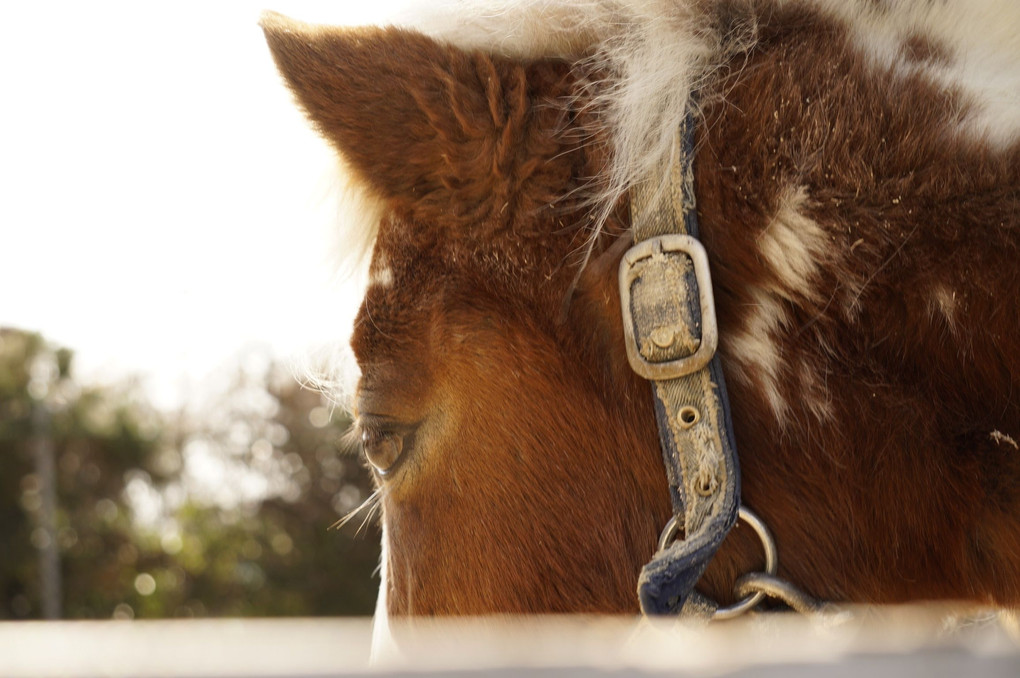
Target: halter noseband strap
{"x":671,"y":334}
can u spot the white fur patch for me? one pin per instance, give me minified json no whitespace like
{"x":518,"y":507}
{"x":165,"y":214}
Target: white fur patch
{"x":944,"y":302}
{"x":755,"y":346}
{"x":384,"y":646}
{"x":981,"y":37}
{"x":383,"y":277}
{"x":998,"y":437}
{"x":793,"y":244}
{"x":380,"y":273}
{"x":814,"y":393}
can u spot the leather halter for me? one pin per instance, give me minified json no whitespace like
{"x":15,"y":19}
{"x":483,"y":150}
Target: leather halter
{"x":671,"y":334}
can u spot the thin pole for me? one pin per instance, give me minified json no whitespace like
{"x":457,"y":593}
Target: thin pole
{"x":49,"y":554}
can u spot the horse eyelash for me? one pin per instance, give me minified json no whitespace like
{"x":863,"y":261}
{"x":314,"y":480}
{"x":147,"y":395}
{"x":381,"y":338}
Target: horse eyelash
{"x":350,"y":441}
{"x":372,"y":503}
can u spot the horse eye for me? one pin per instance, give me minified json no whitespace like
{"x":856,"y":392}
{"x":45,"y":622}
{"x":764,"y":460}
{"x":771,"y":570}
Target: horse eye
{"x":382,"y":448}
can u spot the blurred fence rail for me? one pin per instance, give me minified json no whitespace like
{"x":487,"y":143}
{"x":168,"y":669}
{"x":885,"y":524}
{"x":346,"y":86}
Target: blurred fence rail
{"x":872,"y":642}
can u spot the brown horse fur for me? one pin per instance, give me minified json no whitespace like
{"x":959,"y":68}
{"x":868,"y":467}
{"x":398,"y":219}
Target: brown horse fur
{"x":863,"y":225}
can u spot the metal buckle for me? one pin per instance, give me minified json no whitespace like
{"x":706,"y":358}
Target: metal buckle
{"x":679,"y":367}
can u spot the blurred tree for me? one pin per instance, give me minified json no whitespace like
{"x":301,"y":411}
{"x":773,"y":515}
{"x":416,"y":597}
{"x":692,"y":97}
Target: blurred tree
{"x":96,"y":436}
{"x":224,"y":513}
{"x":254,"y":533}
{"x":331,"y":486}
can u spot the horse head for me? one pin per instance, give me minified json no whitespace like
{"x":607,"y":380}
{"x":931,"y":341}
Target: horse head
{"x":859,"y":207}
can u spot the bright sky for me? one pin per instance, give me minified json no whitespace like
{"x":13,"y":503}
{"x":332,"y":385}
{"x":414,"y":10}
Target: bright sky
{"x":164,"y":205}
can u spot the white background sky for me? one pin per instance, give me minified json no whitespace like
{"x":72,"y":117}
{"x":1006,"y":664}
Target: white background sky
{"x":163,"y":203}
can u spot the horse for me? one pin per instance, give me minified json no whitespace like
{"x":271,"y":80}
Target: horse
{"x":855,"y":166}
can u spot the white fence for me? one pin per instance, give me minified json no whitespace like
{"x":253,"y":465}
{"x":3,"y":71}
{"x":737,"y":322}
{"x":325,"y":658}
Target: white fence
{"x":873,"y":642}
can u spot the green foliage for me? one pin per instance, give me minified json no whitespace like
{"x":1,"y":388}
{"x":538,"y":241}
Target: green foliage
{"x":141,"y":534}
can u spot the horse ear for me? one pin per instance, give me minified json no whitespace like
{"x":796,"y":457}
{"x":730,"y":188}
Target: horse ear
{"x":420,"y":121}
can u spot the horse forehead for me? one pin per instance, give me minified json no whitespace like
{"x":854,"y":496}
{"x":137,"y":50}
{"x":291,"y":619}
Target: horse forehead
{"x":415,"y":260}
{"x":411,"y":276}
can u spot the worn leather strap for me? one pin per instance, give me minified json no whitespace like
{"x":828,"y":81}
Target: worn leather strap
{"x":670,"y":320}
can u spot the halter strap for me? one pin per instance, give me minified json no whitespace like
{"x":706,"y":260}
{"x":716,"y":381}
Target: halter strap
{"x":669,"y":322}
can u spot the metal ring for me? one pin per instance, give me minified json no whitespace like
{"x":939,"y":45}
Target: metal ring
{"x":771,"y":566}
{"x":768,"y":545}
{"x":669,"y":532}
